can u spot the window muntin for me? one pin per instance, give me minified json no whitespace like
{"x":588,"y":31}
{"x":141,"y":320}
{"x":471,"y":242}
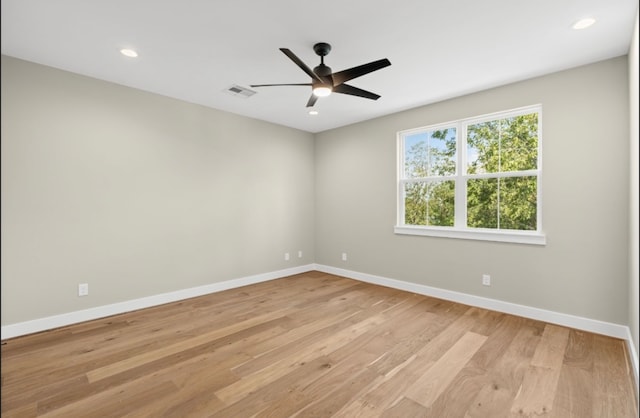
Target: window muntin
{"x":478,"y":175}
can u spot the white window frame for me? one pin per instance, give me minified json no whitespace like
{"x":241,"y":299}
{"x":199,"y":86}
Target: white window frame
{"x":460,"y":229}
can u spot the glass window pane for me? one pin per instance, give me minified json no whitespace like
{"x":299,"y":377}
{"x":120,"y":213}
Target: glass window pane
{"x":415,"y":204}
{"x":482,"y":147}
{"x":482,"y":203}
{"x":429,"y":203}
{"x":441,"y":205}
{"x":509,"y":144}
{"x":519,"y":143}
{"x":430,"y":153}
{"x":518,"y":203}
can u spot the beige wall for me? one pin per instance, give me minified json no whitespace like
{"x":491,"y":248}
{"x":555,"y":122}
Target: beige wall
{"x":635,"y":173}
{"x":138,"y":194}
{"x":583,"y":270}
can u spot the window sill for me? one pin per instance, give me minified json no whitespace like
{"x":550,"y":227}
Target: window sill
{"x":518,"y":237}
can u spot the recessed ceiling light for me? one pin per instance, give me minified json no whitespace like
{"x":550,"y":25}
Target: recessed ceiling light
{"x":313,"y":112}
{"x":584,"y":23}
{"x":128,"y":52}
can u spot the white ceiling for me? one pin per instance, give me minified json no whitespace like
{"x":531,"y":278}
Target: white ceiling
{"x":194,"y":50}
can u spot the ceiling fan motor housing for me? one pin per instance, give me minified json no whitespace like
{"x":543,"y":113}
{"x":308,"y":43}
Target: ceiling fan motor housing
{"x":322,"y":70}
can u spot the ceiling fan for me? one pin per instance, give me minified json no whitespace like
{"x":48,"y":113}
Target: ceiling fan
{"x":324,"y":82}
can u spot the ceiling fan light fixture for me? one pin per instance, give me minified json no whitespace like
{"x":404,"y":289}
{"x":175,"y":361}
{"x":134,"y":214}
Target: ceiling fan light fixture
{"x":321,"y":91}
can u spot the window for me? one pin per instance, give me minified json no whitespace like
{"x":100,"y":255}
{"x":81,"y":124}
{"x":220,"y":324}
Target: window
{"x":476,"y":178}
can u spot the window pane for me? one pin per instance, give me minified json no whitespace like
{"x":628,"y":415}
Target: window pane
{"x":518,"y":203}
{"x":430,"y":153}
{"x":482,"y":203}
{"x":429,"y":203}
{"x":519,"y":143}
{"x":482,"y":147}
{"x":509,"y":144}
{"x":415,"y":204}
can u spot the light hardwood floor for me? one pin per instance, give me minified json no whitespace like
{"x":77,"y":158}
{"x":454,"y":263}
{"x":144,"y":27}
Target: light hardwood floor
{"x":316,"y":345}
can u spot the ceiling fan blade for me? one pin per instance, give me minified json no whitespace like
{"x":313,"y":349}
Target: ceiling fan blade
{"x":312,"y":100}
{"x":300,"y":64}
{"x":354,"y":91}
{"x":270,"y":85}
{"x":351,"y":73}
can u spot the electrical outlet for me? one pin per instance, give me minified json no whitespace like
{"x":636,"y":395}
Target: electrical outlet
{"x":486,"y":280}
{"x":344,"y":256}
{"x":286,"y":257}
{"x":83,"y":289}
{"x":300,"y":254}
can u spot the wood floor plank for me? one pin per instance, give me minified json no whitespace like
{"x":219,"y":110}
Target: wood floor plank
{"x":405,"y":408}
{"x":261,"y":398}
{"x":575,"y":390}
{"x":223,"y":354}
{"x":114,"y":402}
{"x":330,"y":404}
{"x":538,"y":389}
{"x":573,"y":394}
{"x":327,"y":393}
{"x":474,"y":376}
{"x":30,"y":394}
{"x":285,"y":345}
{"x":505,"y":376}
{"x":286,"y":406}
{"x":236,"y":391}
{"x":611,"y":387}
{"x":339,"y":372}
{"x":23,"y":411}
{"x":316,"y":345}
{"x":400,"y":379}
{"x":436,"y":380}
{"x":148,"y":357}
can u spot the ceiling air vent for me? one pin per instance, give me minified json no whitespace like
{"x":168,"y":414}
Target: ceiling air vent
{"x":240,"y":91}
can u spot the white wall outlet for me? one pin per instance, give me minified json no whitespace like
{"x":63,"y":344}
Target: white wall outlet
{"x":286,"y":257}
{"x":486,"y":280}
{"x":83,"y":289}
{"x":344,"y":256}
{"x":299,"y":253}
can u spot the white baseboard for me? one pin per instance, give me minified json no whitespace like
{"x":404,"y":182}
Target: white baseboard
{"x":585,"y":324}
{"x":48,"y":323}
